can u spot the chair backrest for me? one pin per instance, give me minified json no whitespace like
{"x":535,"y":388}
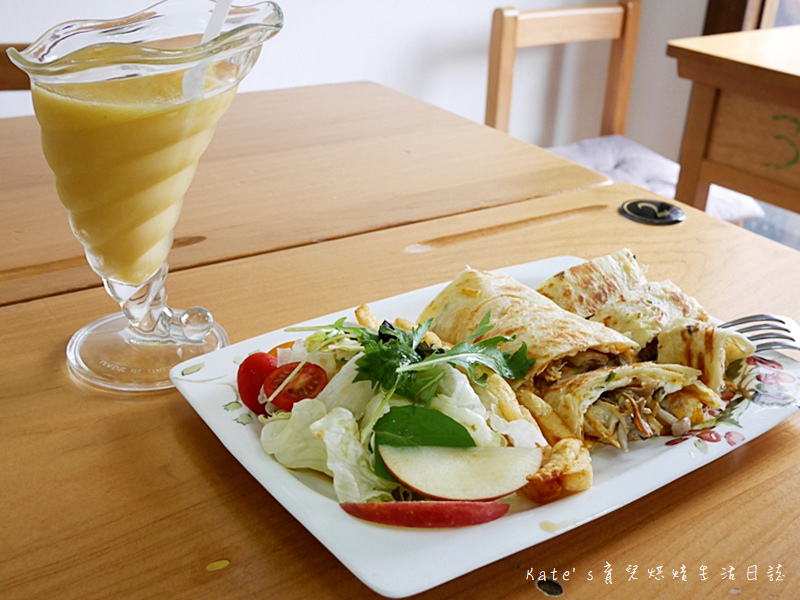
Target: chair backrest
{"x":11,"y":76}
{"x":512,"y":29}
{"x":760,"y":14}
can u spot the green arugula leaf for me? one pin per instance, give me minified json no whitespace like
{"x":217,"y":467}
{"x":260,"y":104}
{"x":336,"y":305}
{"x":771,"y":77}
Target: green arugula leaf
{"x":519,"y":363}
{"x":400,"y":362}
{"x":469,"y":355}
{"x":484,"y":327}
{"x":385,"y":357}
{"x":411,"y":339}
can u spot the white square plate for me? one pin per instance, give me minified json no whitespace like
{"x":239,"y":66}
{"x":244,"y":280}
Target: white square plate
{"x":398,"y":562}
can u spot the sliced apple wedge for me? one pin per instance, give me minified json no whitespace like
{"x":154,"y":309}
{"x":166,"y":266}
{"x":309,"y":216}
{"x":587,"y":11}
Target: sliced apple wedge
{"x":476,"y":473}
{"x":427,"y":514}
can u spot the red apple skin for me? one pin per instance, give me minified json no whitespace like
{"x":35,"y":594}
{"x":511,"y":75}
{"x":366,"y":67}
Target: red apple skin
{"x":427,"y":514}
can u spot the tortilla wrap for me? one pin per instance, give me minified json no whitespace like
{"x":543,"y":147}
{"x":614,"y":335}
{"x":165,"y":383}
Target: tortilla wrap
{"x":615,"y":404}
{"x":703,"y":346}
{"x":561,"y":342}
{"x":613,"y":290}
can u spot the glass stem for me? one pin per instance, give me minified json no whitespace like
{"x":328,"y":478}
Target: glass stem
{"x":149,"y":317}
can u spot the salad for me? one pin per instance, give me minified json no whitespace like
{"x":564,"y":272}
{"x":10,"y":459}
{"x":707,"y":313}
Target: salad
{"x":412,"y":431}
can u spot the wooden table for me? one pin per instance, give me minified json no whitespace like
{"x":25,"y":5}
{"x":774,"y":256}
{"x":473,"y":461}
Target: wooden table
{"x":108,"y":496}
{"x":112,"y":497}
{"x":287,"y":168}
{"x":743,"y":126}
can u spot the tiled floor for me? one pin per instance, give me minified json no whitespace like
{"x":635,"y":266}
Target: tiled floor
{"x":778,"y":224}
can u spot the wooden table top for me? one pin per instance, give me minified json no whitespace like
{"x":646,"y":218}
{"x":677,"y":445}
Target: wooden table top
{"x":758,"y":61}
{"x":287,"y":168}
{"x":107,"y":496}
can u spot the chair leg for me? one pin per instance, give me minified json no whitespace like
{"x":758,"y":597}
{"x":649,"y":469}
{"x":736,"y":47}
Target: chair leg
{"x":690,"y":188}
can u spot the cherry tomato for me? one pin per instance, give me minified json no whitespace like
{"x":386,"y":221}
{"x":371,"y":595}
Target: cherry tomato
{"x":307,"y":383}
{"x":250,"y":379}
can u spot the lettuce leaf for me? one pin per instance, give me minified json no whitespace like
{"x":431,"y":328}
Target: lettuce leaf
{"x":352,"y":465}
{"x":456,"y":398}
{"x":286,"y":435}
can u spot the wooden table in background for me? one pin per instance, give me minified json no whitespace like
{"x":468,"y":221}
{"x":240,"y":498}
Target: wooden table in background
{"x":112,"y":497}
{"x":287,"y":168}
{"x":743,"y":126}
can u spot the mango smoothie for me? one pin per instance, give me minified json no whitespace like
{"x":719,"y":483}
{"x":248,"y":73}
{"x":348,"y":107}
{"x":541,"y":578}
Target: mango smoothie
{"x":123,"y":153}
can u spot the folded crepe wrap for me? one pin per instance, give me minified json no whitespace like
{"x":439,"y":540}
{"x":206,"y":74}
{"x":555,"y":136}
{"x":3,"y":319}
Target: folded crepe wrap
{"x":668,"y":325}
{"x":703,"y":346}
{"x":561,"y":342}
{"x":594,"y":377}
{"x":616,"y":404}
{"x":613,"y":290}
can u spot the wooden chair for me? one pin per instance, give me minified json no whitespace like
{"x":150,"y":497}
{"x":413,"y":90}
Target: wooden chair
{"x":760,"y":14}
{"x":11,"y":76}
{"x":512,"y":29}
{"x":617,"y":157}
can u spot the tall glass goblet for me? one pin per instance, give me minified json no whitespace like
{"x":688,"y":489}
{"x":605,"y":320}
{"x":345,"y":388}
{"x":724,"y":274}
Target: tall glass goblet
{"x":126,"y":108}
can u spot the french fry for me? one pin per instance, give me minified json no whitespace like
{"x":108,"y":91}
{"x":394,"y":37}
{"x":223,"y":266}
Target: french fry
{"x":366,"y":318}
{"x":507,"y":401}
{"x":566,"y":467}
{"x":550,"y":423}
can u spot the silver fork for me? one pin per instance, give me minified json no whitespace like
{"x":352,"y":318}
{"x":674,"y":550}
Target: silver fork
{"x":779,"y":332}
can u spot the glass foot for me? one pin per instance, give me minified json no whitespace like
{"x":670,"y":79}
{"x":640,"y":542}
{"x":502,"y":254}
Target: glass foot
{"x":109,"y":353}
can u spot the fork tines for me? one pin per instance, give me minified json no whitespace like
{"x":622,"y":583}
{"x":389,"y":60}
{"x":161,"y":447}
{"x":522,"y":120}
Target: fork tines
{"x":754,"y":319}
{"x":783,"y":332}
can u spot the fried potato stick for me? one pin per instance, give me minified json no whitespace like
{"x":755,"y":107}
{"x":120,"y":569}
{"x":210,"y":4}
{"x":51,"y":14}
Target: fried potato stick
{"x":366,"y":318}
{"x":550,"y":423}
{"x":566,"y":468}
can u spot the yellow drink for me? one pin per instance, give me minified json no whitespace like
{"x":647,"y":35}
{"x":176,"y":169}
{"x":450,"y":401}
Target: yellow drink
{"x":127,"y":106}
{"x":124,"y":152}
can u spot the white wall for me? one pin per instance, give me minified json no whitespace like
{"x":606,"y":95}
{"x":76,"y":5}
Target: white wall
{"x":436,"y":50}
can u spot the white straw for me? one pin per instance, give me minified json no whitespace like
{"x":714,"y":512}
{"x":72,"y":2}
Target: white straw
{"x":194,"y":78}
{"x":217,"y":19}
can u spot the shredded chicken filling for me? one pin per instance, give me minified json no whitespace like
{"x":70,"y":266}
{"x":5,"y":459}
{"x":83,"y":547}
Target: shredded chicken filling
{"x":582,"y":362}
{"x":631,"y":413}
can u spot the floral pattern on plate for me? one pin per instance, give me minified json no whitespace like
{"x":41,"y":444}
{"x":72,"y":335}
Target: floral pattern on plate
{"x":756,"y":379}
